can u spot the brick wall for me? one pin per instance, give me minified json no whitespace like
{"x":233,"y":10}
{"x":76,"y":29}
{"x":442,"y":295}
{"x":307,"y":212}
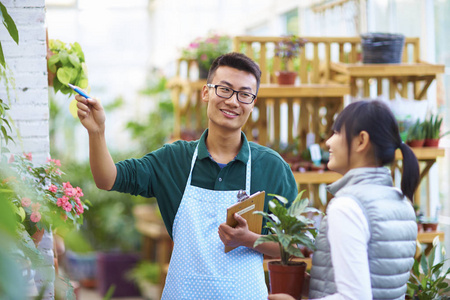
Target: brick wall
{"x":28,"y":97}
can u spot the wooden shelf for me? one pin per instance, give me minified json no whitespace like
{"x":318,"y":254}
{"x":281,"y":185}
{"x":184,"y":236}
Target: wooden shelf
{"x":316,"y":177}
{"x":424,"y":153}
{"x":303,"y":90}
{"x":428,"y":236}
{"x":378,"y":70}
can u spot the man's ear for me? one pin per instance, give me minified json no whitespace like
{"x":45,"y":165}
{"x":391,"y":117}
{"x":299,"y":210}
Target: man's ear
{"x":362,"y":141}
{"x":205,"y":94}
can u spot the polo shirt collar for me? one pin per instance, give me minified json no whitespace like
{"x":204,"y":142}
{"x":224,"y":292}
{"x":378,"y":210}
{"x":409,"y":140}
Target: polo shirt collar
{"x":203,"y":151}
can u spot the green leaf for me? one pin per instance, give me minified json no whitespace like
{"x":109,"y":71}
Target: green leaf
{"x":52,"y":61}
{"x":2,"y":57}
{"x":266,"y":239}
{"x":280,"y":198}
{"x":64,"y":57}
{"x":297,"y":207}
{"x":64,"y":75}
{"x":74,"y":60}
{"x":9,"y":23}
{"x":83,"y":83}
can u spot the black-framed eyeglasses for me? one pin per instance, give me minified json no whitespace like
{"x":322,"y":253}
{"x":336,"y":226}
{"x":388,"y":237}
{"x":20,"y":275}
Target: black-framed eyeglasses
{"x":226,"y":92}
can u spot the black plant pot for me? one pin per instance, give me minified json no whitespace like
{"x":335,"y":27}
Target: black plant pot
{"x":111,"y":270}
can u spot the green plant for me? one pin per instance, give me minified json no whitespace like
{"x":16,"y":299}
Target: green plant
{"x":417,"y":131}
{"x":288,"y":48}
{"x":145,"y":271}
{"x":427,"y":276}
{"x":288,"y":226}
{"x":206,"y":49}
{"x":432,"y":127}
{"x":10,"y":26}
{"x":69,"y":65}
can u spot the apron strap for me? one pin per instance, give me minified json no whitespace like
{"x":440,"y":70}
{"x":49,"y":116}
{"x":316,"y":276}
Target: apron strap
{"x":248,"y":173}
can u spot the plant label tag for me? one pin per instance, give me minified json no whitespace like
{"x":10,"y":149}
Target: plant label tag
{"x":316,"y":157}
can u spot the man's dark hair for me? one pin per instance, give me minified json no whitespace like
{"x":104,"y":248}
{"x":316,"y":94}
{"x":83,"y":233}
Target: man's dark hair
{"x":237,"y":61}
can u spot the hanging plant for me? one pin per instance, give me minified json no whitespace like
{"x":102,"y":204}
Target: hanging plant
{"x":68,"y":63}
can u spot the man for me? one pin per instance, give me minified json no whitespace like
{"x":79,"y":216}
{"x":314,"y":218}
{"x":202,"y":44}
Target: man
{"x":194,"y":182}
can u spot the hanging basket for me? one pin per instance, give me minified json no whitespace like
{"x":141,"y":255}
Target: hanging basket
{"x":382,"y":48}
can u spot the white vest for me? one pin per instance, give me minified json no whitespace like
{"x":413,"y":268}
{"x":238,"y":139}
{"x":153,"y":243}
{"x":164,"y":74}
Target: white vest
{"x":393,"y":233}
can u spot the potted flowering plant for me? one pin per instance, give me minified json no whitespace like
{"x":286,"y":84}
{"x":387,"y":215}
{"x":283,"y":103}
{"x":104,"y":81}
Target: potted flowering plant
{"x":287,"y":49}
{"x":47,"y":203}
{"x":291,"y":230}
{"x":205,"y":49}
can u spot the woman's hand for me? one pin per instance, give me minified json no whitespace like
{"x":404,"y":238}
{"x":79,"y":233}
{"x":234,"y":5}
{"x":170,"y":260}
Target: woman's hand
{"x":280,"y":297}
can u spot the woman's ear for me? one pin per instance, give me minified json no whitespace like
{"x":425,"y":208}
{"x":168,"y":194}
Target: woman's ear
{"x":205,"y":94}
{"x":362,"y":142}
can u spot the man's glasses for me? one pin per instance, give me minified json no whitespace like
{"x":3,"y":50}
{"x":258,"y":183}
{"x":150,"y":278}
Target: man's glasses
{"x":226,"y":92}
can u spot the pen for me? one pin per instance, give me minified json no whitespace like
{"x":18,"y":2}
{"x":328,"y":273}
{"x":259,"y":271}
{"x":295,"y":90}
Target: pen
{"x":78,"y":90}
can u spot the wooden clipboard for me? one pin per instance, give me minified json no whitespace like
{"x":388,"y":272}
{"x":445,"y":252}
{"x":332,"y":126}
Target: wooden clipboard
{"x":245,"y":209}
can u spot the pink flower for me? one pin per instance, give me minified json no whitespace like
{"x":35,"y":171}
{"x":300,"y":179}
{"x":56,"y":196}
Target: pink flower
{"x":11,"y":159}
{"x":35,"y":216}
{"x":60,"y":202}
{"x":79,"y":209}
{"x":67,"y":206}
{"x":204,"y":57}
{"x":35,"y":207}
{"x":26,"y":202}
{"x":70,"y":192}
{"x":53,"y":188}
{"x":79,"y":192}
{"x":66,"y":185}
{"x":28,"y":156}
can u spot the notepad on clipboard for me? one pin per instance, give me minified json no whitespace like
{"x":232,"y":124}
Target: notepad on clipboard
{"x":246,"y":209}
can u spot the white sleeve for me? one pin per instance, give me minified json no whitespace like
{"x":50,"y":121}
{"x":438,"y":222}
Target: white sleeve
{"x":348,"y":235}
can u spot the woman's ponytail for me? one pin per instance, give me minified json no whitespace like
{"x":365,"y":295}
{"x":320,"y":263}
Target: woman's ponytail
{"x":411,"y":172}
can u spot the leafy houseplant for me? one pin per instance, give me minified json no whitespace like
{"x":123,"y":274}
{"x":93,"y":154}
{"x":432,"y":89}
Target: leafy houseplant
{"x":290,"y":229}
{"x":68,"y":63}
{"x":427,"y":277}
{"x":287,"y":49}
{"x":205,"y":49}
{"x":432,"y":129}
{"x":416,"y":134}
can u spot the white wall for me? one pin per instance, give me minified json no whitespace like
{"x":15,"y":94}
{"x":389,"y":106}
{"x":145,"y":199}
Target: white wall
{"x":29,"y":102}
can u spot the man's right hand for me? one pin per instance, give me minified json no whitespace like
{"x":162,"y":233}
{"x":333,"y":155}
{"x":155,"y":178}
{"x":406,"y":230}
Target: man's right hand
{"x":91,"y":114}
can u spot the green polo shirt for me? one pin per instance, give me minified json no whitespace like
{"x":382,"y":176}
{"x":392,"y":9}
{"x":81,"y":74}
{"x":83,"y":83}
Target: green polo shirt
{"x":163,"y":174}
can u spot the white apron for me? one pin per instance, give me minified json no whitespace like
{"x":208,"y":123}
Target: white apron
{"x":199,"y":268}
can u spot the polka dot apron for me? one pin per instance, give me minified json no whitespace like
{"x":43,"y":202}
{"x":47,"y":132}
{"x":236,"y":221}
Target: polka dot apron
{"x":199,"y":267}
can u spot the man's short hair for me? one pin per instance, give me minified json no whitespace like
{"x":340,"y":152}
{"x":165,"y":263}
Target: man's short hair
{"x":237,"y":61}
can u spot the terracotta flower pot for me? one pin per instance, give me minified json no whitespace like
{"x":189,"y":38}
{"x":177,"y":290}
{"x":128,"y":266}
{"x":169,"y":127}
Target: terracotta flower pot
{"x":286,"y":77}
{"x":416,"y":143}
{"x":429,"y":226}
{"x":431,"y":143}
{"x":287,"y":279}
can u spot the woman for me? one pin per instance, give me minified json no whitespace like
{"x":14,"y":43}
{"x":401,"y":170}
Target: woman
{"x":366,"y":243}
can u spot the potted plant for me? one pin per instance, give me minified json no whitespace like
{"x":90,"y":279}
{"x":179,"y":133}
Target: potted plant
{"x":287,"y":49}
{"x":147,"y":276}
{"x":416,"y":134}
{"x":291,"y":230}
{"x":68,"y":64}
{"x":433,"y":131}
{"x":427,"y":279}
{"x":205,"y":49}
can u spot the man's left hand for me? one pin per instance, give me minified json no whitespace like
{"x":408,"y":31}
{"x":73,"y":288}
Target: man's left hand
{"x":237,"y":236}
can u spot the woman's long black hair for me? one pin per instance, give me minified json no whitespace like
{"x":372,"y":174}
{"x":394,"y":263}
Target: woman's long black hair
{"x":377,"y":119}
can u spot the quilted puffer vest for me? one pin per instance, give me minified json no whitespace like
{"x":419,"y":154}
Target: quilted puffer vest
{"x":393,"y":233}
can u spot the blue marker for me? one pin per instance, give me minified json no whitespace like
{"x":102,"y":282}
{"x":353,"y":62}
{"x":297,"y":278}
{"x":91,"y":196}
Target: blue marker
{"x":78,"y":90}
